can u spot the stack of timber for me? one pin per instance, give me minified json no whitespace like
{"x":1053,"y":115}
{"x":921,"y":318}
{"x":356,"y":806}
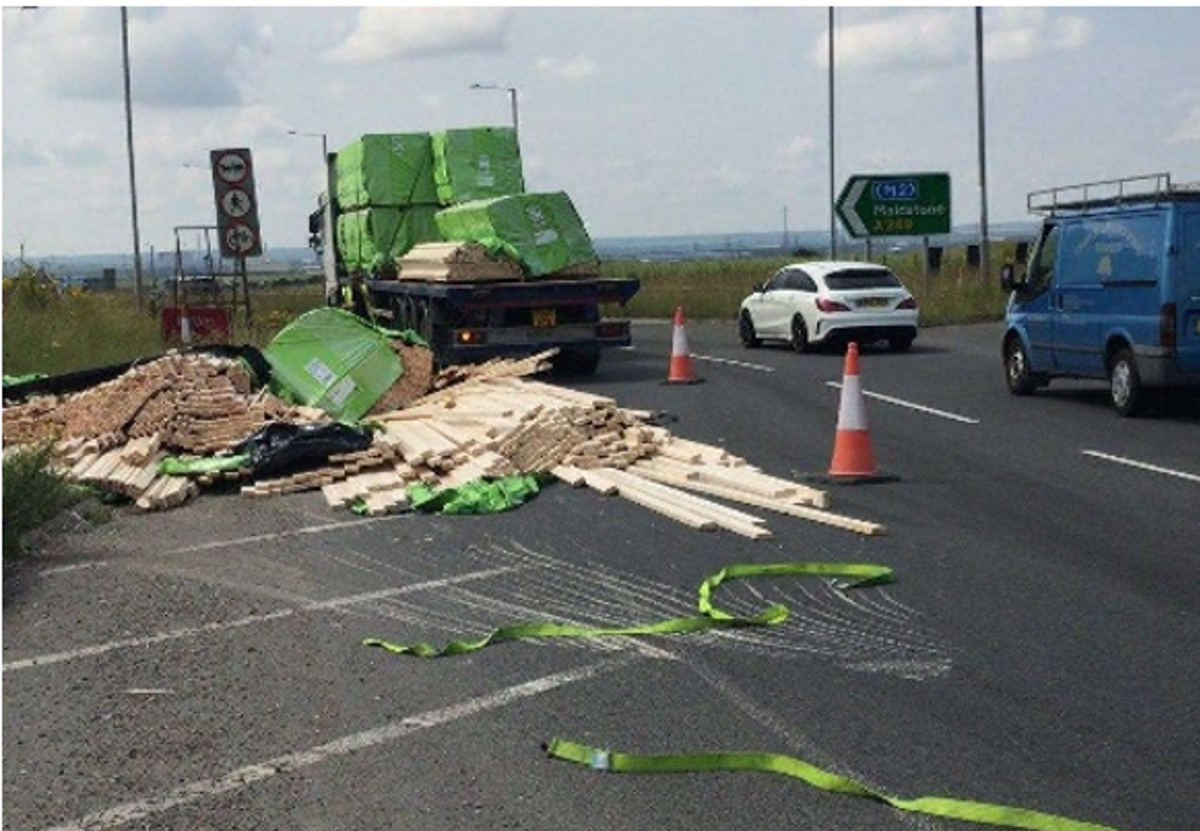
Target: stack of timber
{"x":502,"y":422}
{"x":455,"y":262}
{"x":487,"y":420}
{"x":471,"y":262}
{"x":115,"y":434}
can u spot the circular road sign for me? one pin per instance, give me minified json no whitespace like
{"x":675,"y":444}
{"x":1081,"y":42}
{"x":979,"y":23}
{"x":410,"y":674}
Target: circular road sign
{"x":236,"y":203}
{"x":231,"y":168}
{"x":240,"y":238}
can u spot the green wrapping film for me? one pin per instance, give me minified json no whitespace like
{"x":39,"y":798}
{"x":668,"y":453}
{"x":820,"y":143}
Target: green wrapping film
{"x":542,"y":231}
{"x":371,"y":239}
{"x":392,"y":169}
{"x":476,"y":163}
{"x":333,"y":360}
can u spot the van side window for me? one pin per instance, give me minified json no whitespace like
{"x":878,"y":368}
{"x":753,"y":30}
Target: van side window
{"x":1041,"y":268}
{"x":1130,"y":249}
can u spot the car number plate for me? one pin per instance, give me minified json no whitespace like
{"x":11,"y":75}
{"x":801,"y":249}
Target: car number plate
{"x":872,"y":302}
{"x":544,"y":318}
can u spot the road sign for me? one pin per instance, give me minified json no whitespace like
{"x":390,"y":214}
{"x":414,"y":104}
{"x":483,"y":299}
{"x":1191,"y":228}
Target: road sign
{"x":237,"y":208}
{"x":896,"y":205}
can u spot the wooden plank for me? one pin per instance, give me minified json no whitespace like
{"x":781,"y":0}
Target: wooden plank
{"x":790,"y":509}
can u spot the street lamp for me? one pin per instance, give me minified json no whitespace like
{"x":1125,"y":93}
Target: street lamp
{"x":322,"y":136}
{"x":512,"y":96}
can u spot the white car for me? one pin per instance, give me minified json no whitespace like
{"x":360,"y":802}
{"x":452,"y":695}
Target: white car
{"x":821,"y":302}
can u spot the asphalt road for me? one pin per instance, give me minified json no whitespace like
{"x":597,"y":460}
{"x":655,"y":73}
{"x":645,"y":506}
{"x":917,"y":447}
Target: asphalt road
{"x":203,"y":668}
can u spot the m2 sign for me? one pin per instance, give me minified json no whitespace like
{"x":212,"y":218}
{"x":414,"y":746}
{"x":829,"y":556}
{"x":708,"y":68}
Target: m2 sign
{"x":896,"y":205}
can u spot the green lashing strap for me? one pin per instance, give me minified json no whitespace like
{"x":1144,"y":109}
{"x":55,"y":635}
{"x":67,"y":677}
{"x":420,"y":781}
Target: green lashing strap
{"x":935,"y":806}
{"x":710,"y":617}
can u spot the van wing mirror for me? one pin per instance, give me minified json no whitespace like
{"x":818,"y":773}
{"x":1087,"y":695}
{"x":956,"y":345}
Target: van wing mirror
{"x":1008,"y":278}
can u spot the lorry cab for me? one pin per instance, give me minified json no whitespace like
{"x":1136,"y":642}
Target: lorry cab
{"x":1111,"y":290}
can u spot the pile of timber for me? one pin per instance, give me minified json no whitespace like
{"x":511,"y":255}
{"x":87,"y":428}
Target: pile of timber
{"x":114,"y":435}
{"x":470,"y":262}
{"x":455,"y":262}
{"x":487,"y":420}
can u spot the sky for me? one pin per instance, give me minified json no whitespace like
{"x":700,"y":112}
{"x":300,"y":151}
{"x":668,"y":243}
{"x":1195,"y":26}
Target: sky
{"x":667,"y":120}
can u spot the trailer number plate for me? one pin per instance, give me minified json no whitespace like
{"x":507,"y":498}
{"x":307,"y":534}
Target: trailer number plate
{"x":544,"y":318}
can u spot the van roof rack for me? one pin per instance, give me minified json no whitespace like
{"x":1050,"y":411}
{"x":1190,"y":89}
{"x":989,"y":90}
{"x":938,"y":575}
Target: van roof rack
{"x":1107,"y":193}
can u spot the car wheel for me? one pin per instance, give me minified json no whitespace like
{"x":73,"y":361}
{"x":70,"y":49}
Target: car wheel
{"x":746,"y":332}
{"x":799,"y":334}
{"x":1021,"y":381}
{"x":900,"y":343}
{"x":1125,"y":384}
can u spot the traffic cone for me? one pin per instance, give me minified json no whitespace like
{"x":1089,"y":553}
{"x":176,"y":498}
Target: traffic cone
{"x":853,"y":457}
{"x":680,"y":370}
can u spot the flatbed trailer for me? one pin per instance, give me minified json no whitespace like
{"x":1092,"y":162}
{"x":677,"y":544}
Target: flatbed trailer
{"x":472,"y":322}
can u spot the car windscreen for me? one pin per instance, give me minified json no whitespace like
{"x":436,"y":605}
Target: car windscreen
{"x":861,"y":278}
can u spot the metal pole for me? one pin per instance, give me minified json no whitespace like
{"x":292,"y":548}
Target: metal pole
{"x":137,"y":243}
{"x":512,"y":93}
{"x":984,"y":255}
{"x":832,"y":197}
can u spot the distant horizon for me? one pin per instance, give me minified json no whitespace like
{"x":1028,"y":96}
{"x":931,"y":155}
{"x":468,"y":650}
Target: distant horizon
{"x":651,"y":242}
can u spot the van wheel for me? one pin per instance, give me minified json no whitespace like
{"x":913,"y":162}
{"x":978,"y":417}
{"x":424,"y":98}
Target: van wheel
{"x":1125,"y":384}
{"x":1021,"y":381}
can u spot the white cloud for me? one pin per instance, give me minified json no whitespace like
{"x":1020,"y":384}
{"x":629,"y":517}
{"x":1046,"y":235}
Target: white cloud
{"x":178,"y":58}
{"x":400,"y":32}
{"x":931,"y":38}
{"x":573,"y":69}
{"x":1016,"y":34}
{"x":1189,"y":128}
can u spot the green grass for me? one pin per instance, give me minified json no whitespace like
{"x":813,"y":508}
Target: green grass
{"x":34,"y":493}
{"x":713,"y":289}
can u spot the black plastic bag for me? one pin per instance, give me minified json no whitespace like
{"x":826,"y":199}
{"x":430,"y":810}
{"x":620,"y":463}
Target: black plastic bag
{"x":282,"y":447}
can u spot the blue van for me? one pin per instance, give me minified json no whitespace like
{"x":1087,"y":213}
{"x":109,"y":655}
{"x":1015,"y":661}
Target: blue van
{"x":1111,"y":290}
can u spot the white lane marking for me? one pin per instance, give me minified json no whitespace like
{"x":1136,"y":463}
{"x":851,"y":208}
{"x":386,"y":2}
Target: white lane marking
{"x":1166,"y":471}
{"x":741,"y":364}
{"x":900,"y":402}
{"x":279,"y":535}
{"x":249,"y":620}
{"x":250,"y":774}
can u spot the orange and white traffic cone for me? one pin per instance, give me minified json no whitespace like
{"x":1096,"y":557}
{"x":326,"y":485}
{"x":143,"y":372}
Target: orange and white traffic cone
{"x":853,"y":456}
{"x":680,"y":370}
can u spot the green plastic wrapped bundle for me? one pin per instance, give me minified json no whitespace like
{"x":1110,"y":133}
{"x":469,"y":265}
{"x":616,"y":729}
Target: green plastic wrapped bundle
{"x":333,"y":360}
{"x":371,"y":239}
{"x":393,"y":169}
{"x":476,"y":163}
{"x":542,"y":231}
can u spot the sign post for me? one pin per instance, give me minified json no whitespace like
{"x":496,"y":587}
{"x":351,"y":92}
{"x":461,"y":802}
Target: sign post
{"x":237,"y":210}
{"x":895,"y":205}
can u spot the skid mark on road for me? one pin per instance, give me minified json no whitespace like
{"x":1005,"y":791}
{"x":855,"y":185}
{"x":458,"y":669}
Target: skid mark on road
{"x":866,"y":630}
{"x":485,"y":587}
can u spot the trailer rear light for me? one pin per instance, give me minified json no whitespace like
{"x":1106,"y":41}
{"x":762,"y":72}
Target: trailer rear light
{"x":827,"y":305}
{"x":1166,"y":326}
{"x":470,"y":337}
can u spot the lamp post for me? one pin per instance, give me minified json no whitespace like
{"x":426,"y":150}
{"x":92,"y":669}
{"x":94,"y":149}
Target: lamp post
{"x":512,"y":97}
{"x":324,"y":137}
{"x":137,"y":244}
